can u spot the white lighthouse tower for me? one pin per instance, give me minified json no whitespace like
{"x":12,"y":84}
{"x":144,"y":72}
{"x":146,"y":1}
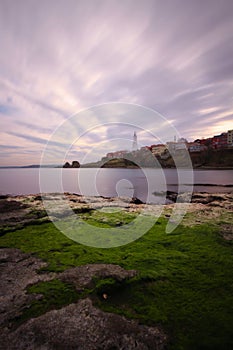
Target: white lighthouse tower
{"x":135,"y":142}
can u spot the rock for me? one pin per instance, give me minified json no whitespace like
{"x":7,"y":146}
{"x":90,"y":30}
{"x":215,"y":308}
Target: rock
{"x":9,"y":205}
{"x":172,"y":196}
{"x":3,"y":196}
{"x":136,"y":200}
{"x":67,"y":165}
{"x":75,"y":164}
{"x":38,"y":198}
{"x":207,"y":198}
{"x":76,"y":326}
{"x":81,"y":276}
{"x":185,"y":197}
{"x":18,"y":270}
{"x":81,"y":326}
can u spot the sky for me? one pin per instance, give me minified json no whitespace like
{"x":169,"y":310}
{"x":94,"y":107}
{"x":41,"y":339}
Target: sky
{"x":60,"y":57}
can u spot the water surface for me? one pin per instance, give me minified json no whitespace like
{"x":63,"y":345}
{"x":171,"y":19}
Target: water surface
{"x":143,"y":184}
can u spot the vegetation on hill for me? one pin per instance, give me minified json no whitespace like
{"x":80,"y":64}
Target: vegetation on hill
{"x":119,"y":163}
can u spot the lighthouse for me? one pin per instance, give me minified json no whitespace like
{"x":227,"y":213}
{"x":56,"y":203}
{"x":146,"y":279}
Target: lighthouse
{"x":135,"y":142}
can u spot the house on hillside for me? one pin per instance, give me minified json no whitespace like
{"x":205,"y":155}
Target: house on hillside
{"x":196,"y":147}
{"x":220,"y":141}
{"x":230,"y":138}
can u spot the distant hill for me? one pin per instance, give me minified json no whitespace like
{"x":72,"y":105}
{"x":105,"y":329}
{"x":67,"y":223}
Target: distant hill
{"x":30,"y":166}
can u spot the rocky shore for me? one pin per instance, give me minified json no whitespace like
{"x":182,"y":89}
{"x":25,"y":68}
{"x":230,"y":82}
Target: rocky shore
{"x":81,"y":325}
{"x":18,"y":211}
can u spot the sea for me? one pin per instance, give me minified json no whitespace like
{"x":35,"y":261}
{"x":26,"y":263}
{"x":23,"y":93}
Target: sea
{"x":146,"y":184}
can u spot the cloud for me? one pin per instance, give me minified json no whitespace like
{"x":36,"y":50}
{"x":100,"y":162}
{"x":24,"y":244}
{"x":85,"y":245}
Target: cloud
{"x":31,"y":126}
{"x":59,"y":57}
{"x":4,"y":147}
{"x":38,"y":139}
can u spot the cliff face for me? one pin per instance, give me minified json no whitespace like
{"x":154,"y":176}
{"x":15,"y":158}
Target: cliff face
{"x":219,"y":158}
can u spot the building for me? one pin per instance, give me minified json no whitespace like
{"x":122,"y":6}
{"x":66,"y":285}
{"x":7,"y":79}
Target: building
{"x":206,"y":142}
{"x":230,"y":138}
{"x":220,"y":141}
{"x":196,"y":147}
{"x":145,"y":148}
{"x":135,"y":142}
{"x":117,"y":154}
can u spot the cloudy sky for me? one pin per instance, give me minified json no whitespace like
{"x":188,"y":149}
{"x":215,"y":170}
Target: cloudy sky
{"x":59,"y":57}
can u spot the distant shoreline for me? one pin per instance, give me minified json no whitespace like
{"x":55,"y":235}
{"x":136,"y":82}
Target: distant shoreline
{"x":86,"y":166}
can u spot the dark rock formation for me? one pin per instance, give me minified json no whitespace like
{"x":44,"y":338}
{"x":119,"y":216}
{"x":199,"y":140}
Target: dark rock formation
{"x":11,"y":205}
{"x":172,"y":196}
{"x":75,"y":164}
{"x":67,"y":165}
{"x":207,"y":198}
{"x":136,"y":200}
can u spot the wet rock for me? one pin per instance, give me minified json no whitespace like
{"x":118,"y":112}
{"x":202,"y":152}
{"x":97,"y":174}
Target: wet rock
{"x":172,"y":196}
{"x":3,"y":196}
{"x":136,"y":200}
{"x":211,"y":198}
{"x":11,"y":205}
{"x":38,"y":197}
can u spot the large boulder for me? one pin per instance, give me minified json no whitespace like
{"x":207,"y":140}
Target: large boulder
{"x":75,"y":164}
{"x":67,"y":165}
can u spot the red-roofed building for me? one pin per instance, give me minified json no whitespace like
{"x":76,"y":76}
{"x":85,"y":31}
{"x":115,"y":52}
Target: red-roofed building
{"x":220,"y":141}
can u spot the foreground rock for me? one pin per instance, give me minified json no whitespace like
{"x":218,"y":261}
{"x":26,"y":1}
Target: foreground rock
{"x":82,"y":326}
{"x":76,"y":326}
{"x":18,"y":270}
{"x":82,"y":276}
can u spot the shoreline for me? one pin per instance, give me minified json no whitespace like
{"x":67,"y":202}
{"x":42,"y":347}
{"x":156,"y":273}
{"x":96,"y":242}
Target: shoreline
{"x":87,"y":166}
{"x":23,"y":210}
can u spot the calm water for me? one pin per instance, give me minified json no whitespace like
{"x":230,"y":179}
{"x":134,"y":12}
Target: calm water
{"x":112,"y":182}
